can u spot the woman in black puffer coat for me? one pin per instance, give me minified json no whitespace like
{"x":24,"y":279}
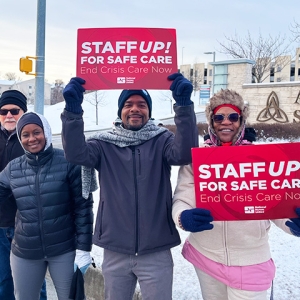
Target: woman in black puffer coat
{"x":54,"y":223}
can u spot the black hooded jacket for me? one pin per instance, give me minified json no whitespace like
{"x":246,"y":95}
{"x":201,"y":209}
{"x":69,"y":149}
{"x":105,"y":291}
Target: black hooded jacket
{"x":10,"y":148}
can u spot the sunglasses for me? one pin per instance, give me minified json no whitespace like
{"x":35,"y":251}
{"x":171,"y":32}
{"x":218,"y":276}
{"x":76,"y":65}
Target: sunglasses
{"x":14,"y":111}
{"x":219,"y":118}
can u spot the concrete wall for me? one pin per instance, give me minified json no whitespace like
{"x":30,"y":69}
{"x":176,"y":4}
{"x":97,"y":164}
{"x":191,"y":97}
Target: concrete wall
{"x":272,"y":102}
{"x":186,"y":71}
{"x":239,"y":74}
{"x":94,"y":285}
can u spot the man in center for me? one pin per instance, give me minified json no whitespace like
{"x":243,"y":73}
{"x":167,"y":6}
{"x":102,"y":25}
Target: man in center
{"x":134,"y":223}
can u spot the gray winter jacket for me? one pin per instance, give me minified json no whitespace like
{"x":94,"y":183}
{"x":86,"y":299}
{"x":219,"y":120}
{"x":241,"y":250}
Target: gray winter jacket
{"x":134,"y":214}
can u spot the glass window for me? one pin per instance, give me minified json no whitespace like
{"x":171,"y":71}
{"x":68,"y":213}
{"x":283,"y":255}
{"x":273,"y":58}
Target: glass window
{"x":220,"y":78}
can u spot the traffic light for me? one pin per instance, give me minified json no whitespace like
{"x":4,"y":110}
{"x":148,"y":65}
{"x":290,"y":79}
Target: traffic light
{"x":26,"y":65}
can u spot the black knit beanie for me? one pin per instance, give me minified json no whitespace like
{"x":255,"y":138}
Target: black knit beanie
{"x":128,"y":93}
{"x":14,"y":97}
{"x":29,"y":118}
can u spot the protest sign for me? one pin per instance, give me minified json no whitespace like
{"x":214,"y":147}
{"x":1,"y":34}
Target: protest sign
{"x":126,"y":58}
{"x":248,"y":182}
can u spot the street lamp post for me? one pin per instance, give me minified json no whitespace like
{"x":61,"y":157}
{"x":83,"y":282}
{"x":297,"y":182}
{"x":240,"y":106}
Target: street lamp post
{"x":182,"y":55}
{"x":40,"y":54}
{"x":213,"y":71}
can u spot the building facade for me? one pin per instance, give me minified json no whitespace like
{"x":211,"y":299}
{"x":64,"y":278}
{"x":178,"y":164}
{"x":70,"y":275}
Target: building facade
{"x":26,"y":87}
{"x":276,"y":100}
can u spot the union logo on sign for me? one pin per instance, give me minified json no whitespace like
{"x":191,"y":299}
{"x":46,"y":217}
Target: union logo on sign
{"x":249,"y":209}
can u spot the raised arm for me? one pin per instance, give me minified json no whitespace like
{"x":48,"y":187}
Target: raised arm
{"x":178,"y":149}
{"x":76,"y":149}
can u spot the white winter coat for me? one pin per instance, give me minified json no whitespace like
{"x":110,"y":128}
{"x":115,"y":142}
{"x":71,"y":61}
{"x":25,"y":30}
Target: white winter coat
{"x":233,"y":243}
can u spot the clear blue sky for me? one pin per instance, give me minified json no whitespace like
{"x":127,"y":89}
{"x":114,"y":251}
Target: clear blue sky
{"x":199,"y":24}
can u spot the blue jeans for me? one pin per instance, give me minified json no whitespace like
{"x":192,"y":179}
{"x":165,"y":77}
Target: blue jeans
{"x":6,"y":280}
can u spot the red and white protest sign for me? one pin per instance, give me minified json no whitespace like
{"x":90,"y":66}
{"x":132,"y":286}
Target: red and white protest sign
{"x":126,"y":58}
{"x":248,"y":182}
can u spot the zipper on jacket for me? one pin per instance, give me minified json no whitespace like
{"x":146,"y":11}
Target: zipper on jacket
{"x":8,"y":139}
{"x":37,"y":186}
{"x":101,"y":218}
{"x":136,"y":202}
{"x":139,"y":156}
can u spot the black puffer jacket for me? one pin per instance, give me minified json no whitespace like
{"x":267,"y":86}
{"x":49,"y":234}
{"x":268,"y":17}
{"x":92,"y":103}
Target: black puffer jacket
{"x":52,"y":217}
{"x":10,"y":148}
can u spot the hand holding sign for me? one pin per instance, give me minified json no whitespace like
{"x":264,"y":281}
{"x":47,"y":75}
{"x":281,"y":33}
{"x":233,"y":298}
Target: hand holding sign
{"x":181,"y":89}
{"x":196,"y":220}
{"x":294,"y":223}
{"x":73,"y":94}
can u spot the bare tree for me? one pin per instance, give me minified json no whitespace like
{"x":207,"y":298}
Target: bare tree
{"x":295,"y":29}
{"x":167,"y":96}
{"x":11,"y":76}
{"x":96,"y":98}
{"x":198,"y":76}
{"x":269,"y":53}
{"x":57,"y":92}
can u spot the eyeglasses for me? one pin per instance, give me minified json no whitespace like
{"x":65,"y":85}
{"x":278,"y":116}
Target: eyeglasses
{"x":14,"y":111}
{"x":219,"y":118}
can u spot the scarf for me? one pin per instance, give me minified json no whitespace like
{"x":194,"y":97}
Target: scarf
{"x":120,"y":137}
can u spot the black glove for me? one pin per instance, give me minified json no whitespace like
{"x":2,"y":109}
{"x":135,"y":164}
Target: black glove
{"x":73,"y":94}
{"x":196,"y":219}
{"x":181,"y":89}
{"x":294,"y":223}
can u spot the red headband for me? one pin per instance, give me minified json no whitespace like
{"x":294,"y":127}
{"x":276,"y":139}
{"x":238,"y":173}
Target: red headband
{"x":235,"y":108}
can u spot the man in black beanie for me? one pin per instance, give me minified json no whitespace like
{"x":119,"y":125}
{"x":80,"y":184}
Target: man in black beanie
{"x":134,"y":223}
{"x":13,"y":104}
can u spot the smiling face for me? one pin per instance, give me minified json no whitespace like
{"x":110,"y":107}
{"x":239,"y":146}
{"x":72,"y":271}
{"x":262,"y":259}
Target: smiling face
{"x":135,"y":113}
{"x":226,"y":130}
{"x":33,"y":138}
{"x":9,"y":121}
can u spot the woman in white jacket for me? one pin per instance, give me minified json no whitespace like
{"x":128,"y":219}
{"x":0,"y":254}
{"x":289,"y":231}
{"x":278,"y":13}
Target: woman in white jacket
{"x":232,"y":259}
